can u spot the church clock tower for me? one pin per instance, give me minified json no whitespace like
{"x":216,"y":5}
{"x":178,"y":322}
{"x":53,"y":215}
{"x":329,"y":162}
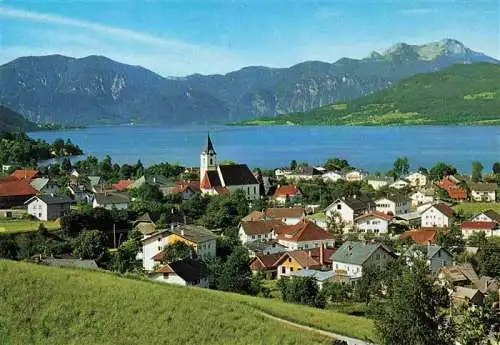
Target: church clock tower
{"x":208,"y":158}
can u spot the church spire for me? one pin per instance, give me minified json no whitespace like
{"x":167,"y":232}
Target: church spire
{"x":209,"y":147}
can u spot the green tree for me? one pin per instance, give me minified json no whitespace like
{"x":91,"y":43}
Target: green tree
{"x":335,"y":163}
{"x":335,"y":224}
{"x":473,"y":324}
{"x":65,"y":166}
{"x":124,"y":259}
{"x":401,"y":166}
{"x":412,"y":313}
{"x":489,"y":258}
{"x":293,"y":164}
{"x":478,"y":239}
{"x":477,"y":171}
{"x":148,"y":192}
{"x":451,"y":240}
{"x":369,"y":284}
{"x":337,"y":292}
{"x":177,"y":251}
{"x":8,"y":247}
{"x":441,"y":169}
{"x":496,"y":168}
{"x":303,"y":290}
{"x":225,"y":211}
{"x":90,"y":245}
{"x":235,"y":274}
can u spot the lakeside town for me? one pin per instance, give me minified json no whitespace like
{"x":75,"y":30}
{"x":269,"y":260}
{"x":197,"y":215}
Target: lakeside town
{"x":331,"y":236}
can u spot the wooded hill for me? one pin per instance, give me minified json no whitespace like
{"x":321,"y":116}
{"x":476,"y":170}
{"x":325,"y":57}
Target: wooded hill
{"x":461,"y":94}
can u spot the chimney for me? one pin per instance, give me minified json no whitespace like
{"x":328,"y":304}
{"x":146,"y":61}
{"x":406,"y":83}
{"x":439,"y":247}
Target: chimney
{"x":310,"y":254}
{"x":321,"y":254}
{"x":182,"y":231}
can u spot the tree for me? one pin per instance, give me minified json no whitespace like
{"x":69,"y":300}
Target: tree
{"x":496,"y":168}
{"x":369,"y":284}
{"x":177,"y":251}
{"x":303,"y":290}
{"x":451,"y":240}
{"x":335,"y":163}
{"x":337,"y":292}
{"x":412,"y":313}
{"x":293,"y":165}
{"x":90,"y":245}
{"x":335,"y":224}
{"x":124,"y":259}
{"x":477,"y":171}
{"x":65,"y":165}
{"x":478,"y":239}
{"x":401,"y":166}
{"x":224,"y":211}
{"x":148,"y":192}
{"x":472,"y":325}
{"x":235,"y":274}
{"x":8,"y":247}
{"x":489,"y":258}
{"x":441,"y":169}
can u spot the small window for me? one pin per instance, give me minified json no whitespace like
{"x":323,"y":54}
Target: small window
{"x":339,"y":207}
{"x":291,"y":269}
{"x":283,"y":269}
{"x":289,"y":259}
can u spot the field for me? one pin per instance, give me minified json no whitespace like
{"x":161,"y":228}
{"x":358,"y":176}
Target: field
{"x":8,"y":225}
{"x":44,"y":305}
{"x":476,"y":207}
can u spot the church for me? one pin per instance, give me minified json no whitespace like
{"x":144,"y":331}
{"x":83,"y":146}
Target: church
{"x":223,"y":179}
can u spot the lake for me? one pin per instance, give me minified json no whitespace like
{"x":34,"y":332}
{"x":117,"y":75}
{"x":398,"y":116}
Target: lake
{"x":370,"y":148}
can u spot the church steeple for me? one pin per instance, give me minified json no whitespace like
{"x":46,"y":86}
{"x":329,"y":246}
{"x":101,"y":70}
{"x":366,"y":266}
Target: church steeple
{"x":208,"y":158}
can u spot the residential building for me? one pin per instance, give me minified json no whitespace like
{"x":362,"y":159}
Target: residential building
{"x":202,"y":240}
{"x":451,"y":185}
{"x":26,"y":174}
{"x":378,"y":182}
{"x":352,"y":257}
{"x":400,"y":184}
{"x":470,"y":227}
{"x":487,"y":216}
{"x":288,"y":215}
{"x":373,"y":222}
{"x":223,"y":179}
{"x":185,"y":272}
{"x":483,"y":191}
{"x":122,"y":185}
{"x":304,"y":235}
{"x":459,"y":275}
{"x":258,"y":248}
{"x":44,"y":185}
{"x":259,"y":230}
{"x":332,"y":176}
{"x":417,"y":179}
{"x":186,"y":189}
{"x":412,"y":220}
{"x":294,"y":261}
{"x":266,"y":264}
{"x":286,"y":194}
{"x":305,"y":173}
{"x":395,"y":205}
{"x":253,"y":216}
{"x":467,"y":295}
{"x":349,"y":208}
{"x":111,"y":200}
{"x":436,"y":255}
{"x":438,"y":215}
{"x":47,"y":207}
{"x":424,"y":237}
{"x":421,"y":197}
{"x":354,"y":175}
{"x":14,"y":192}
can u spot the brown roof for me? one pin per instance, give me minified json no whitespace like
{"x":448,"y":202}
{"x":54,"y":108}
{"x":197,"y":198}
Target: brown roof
{"x":264,"y":261}
{"x":25,"y":174}
{"x":444,"y":209}
{"x":158,"y":256}
{"x":420,"y":236}
{"x":483,"y":187}
{"x":254,"y":215}
{"x":283,"y":212}
{"x":287,"y":190}
{"x":302,"y":257}
{"x":260,"y":227}
{"x":377,"y":214}
{"x":15,"y":187}
{"x":469,"y":224}
{"x":305,"y":230}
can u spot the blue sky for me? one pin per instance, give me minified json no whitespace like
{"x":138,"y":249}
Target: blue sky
{"x":175,"y":38}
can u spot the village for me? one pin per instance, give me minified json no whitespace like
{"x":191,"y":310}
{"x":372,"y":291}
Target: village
{"x":224,"y":226}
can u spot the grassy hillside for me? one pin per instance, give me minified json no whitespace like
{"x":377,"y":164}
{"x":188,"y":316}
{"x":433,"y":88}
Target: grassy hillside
{"x":10,"y":121}
{"x":461,"y":94}
{"x":44,"y":305}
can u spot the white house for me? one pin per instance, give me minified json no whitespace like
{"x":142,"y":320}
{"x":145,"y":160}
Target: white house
{"x":288,"y":215}
{"x":373,"y":222}
{"x":438,"y":215}
{"x":394,"y":205}
{"x":304,"y":235}
{"x":221,"y":179}
{"x":420,"y":198}
{"x":487,"y":216}
{"x":184,"y":272}
{"x":471,"y":227}
{"x":483,"y":191}
{"x":286,"y":193}
{"x":47,"y":207}
{"x":44,"y":185}
{"x":378,"y":182}
{"x":354,"y":175}
{"x":111,"y":200}
{"x":306,"y":173}
{"x":399,"y":184}
{"x":259,"y":230}
{"x":332,"y":176}
{"x":349,"y":208}
{"x":417,"y":179}
{"x":350,"y":259}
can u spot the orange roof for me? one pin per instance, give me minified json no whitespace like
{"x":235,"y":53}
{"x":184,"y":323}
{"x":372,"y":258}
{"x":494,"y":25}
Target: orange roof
{"x":420,"y":236}
{"x":377,"y":214}
{"x":304,"y":230}
{"x":25,"y":174}
{"x":205,"y":182}
{"x":457,"y":193}
{"x":122,"y":184}
{"x":287,"y":190}
{"x":182,"y":186}
{"x":165,"y":269}
{"x":469,"y":224}
{"x":261,"y":226}
{"x":254,"y":215}
{"x":15,"y":187}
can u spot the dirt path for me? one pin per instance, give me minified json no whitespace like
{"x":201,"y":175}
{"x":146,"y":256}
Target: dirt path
{"x":350,"y":341}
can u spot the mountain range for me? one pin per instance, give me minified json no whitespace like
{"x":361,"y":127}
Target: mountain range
{"x":95,"y":89}
{"x":10,"y":121}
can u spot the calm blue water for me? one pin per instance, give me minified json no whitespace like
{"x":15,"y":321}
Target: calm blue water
{"x":370,"y":148}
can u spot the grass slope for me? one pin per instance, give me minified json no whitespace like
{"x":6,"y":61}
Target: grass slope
{"x":10,"y":121}
{"x":21,"y":225}
{"x":45,"y":305}
{"x":476,"y":207}
{"x":460,"y":94}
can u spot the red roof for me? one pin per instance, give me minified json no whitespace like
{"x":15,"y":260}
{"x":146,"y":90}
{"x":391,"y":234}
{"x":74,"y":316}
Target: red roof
{"x":444,"y":209}
{"x":122,"y":184}
{"x":261,"y":226}
{"x":165,"y":269}
{"x":15,"y":187}
{"x":25,"y":174}
{"x":470,"y":224}
{"x":205,"y":182}
{"x":305,"y":230}
{"x":302,"y":257}
{"x":377,"y":214}
{"x":420,"y":236}
{"x":285,"y":212}
{"x":457,"y":193}
{"x":264,"y":261}
{"x":287,"y":190}
{"x":158,"y":256}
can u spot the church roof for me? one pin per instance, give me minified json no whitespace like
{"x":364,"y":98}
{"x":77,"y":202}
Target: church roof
{"x":209,"y":147}
{"x":210,"y":180}
{"x":237,"y":175}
